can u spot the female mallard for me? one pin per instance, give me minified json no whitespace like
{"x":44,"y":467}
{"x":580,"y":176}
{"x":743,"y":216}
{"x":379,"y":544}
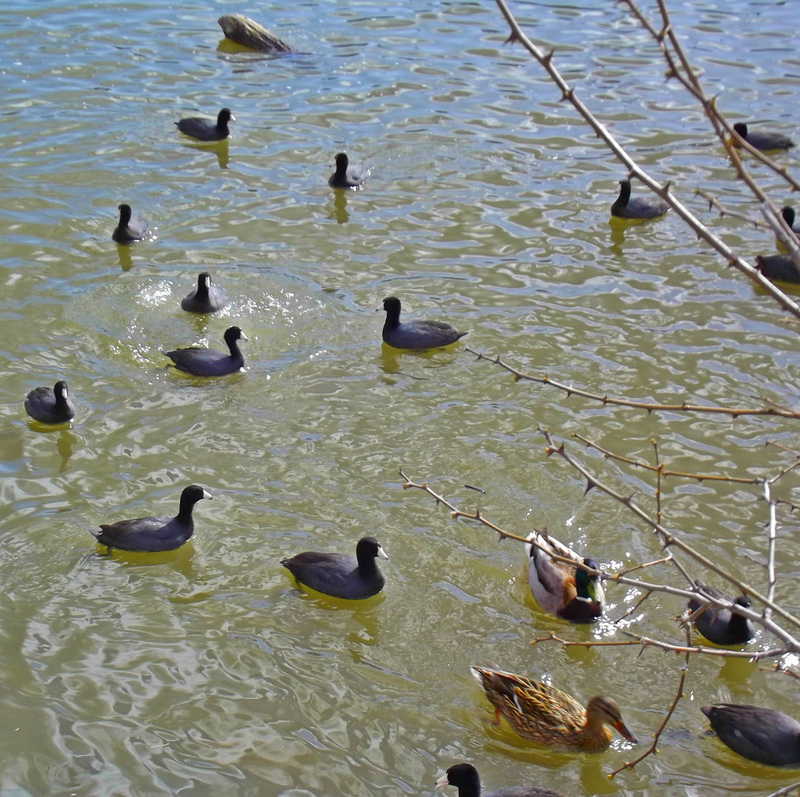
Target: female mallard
{"x":548,"y":716}
{"x":563,"y":589}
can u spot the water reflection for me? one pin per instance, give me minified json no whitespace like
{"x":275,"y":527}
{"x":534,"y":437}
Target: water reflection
{"x":125,"y":258}
{"x":220,"y":148}
{"x":618,"y":228}
{"x":339,"y":211}
{"x":65,"y":445}
{"x":181,"y":560}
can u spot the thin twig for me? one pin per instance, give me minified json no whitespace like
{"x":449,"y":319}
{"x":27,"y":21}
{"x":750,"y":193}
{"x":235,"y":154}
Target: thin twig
{"x":571,"y":390}
{"x":785,"y":790}
{"x":713,"y":202}
{"x":657,"y":735}
{"x":770,"y":625}
{"x":648,"y":642}
{"x":660,"y":469}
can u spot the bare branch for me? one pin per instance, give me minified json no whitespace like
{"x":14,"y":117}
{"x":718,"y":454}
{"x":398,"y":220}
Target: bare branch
{"x":570,"y":390}
{"x":667,"y":717}
{"x":663,"y":191}
{"x":660,"y":470}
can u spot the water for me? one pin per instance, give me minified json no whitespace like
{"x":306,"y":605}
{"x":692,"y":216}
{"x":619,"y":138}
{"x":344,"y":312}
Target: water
{"x":205,"y":671}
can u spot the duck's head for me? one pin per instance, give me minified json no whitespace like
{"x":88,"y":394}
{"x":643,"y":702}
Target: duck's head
{"x":606,"y":710}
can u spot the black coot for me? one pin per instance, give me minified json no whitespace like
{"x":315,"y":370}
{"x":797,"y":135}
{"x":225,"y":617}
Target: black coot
{"x":204,"y":129}
{"x":154,"y":533}
{"x":200,"y":361}
{"x":415,"y":334}
{"x":205,"y":298}
{"x":340,"y":575}
{"x":50,"y":406}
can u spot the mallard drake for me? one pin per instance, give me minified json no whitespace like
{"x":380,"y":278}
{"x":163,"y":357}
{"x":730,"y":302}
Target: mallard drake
{"x":546,"y":715}
{"x":640,"y":208}
{"x":565,"y":590}
{"x":760,"y":734}
{"x":718,"y":625}
{"x":466,"y":779}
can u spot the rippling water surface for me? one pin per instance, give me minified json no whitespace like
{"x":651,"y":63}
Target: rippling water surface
{"x":206,"y":671}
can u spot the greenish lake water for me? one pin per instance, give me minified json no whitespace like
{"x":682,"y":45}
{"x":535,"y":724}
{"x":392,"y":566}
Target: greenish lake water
{"x":205,"y":670}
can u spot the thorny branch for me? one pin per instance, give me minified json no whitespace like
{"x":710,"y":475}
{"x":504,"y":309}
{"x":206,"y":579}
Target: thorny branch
{"x":792,"y":644}
{"x":663,"y":191}
{"x":571,"y":390}
{"x":657,"y":735}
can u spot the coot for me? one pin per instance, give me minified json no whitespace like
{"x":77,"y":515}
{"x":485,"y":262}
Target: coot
{"x":415,"y":334}
{"x":340,"y":575}
{"x":200,"y":361}
{"x":154,"y":533}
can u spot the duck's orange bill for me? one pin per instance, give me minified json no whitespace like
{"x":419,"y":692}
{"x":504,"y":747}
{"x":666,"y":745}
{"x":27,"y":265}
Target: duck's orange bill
{"x":623,"y":729}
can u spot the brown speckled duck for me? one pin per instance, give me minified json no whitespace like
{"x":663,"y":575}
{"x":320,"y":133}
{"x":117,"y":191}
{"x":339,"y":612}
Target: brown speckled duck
{"x":548,"y":716}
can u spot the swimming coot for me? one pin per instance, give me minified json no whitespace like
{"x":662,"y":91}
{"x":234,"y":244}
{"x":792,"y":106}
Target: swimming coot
{"x":204,"y":129}
{"x":718,"y":625}
{"x":640,"y":208}
{"x":778,"y":267}
{"x":205,"y":298}
{"x":415,"y":334}
{"x":200,"y":361}
{"x":154,"y":533}
{"x":764,"y":141}
{"x":465,"y":777}
{"x":789,"y":216}
{"x":347,"y":175}
{"x":340,"y":575}
{"x":130,"y":227}
{"x":760,"y":734}
{"x":50,"y":406}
